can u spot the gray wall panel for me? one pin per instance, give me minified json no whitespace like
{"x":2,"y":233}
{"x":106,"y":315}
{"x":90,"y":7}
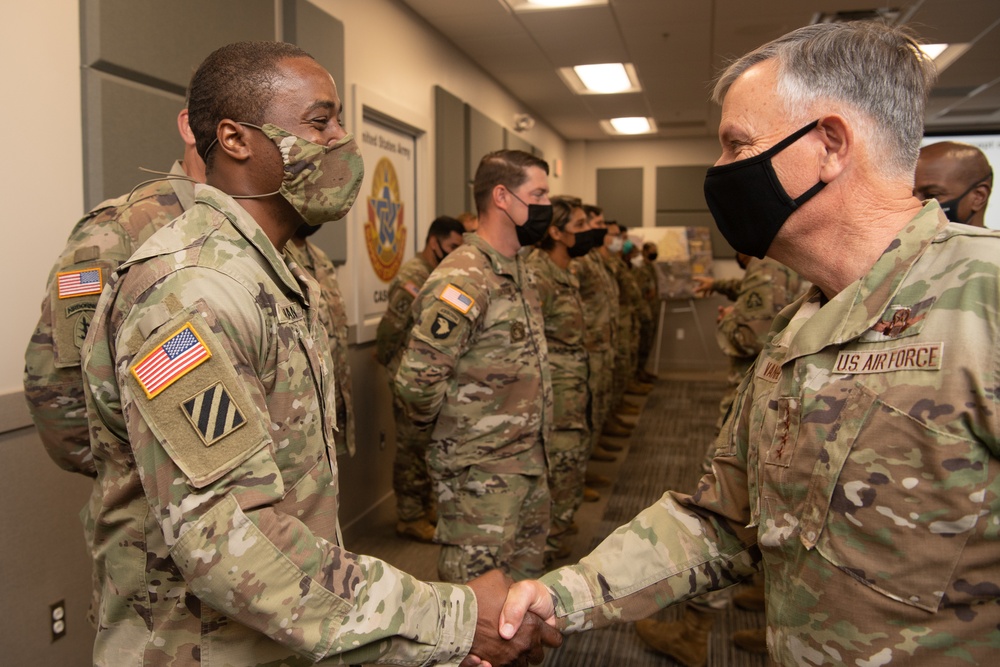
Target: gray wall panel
{"x":680,"y":201}
{"x":680,"y":188}
{"x":484,"y":137}
{"x":514,"y":142}
{"x":128,"y":125}
{"x":452,"y":194}
{"x":166,"y":41}
{"x":619,"y":193}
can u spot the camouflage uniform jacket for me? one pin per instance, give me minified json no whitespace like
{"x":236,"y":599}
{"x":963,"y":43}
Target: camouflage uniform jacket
{"x":862,"y":460}
{"x":728,"y":287}
{"x":212,"y":419}
{"x":397,"y":321}
{"x":333,"y":317}
{"x":766,"y":288}
{"x":103,"y":239}
{"x":562,"y":314}
{"x":645,"y":277}
{"x":599,"y":293}
{"x":477,"y":362}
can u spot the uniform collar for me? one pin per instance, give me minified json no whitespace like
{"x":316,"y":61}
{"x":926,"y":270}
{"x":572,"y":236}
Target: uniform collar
{"x":183,"y":188}
{"x":810,"y":325}
{"x":502,"y":266}
{"x":251,"y":231}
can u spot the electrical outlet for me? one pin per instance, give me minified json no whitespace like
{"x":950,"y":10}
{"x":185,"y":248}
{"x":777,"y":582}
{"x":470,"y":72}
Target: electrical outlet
{"x":680,"y":334}
{"x":57,"y":619}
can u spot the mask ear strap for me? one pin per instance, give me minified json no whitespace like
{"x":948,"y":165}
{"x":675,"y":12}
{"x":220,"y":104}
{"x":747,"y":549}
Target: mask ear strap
{"x":808,"y":194}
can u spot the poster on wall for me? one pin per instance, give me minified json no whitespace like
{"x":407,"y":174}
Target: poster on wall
{"x":388,"y":206}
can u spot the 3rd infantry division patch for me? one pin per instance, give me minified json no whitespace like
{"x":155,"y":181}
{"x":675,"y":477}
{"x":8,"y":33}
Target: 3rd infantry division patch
{"x":213,"y":413}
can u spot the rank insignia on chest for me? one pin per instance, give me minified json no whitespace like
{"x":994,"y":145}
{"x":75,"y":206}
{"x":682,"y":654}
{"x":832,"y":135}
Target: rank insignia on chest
{"x":457,"y":299}
{"x":176,"y":356}
{"x":213,"y":414}
{"x":442,"y":327}
{"x":80,"y":283}
{"x":516,"y":331}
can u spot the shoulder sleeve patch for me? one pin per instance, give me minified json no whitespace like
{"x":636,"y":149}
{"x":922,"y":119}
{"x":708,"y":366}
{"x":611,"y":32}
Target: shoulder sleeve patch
{"x":80,"y":282}
{"x":196,"y":405}
{"x":412,"y":288}
{"x":457,"y":299}
{"x":171,"y":360}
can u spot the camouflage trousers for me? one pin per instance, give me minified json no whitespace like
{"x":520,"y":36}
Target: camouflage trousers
{"x":568,"y":454}
{"x":647,"y":339}
{"x":411,"y":479}
{"x":623,"y":360}
{"x":601,"y":366}
{"x":489,"y":520}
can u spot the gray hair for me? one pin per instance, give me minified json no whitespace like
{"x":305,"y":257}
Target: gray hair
{"x":876,"y":71}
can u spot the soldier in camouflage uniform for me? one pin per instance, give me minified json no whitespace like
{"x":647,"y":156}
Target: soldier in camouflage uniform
{"x":333,"y":317}
{"x":599,"y":293}
{"x":562,"y":313}
{"x":610,"y":253}
{"x":476,"y":366}
{"x":411,"y":481}
{"x":212,"y":410}
{"x":860,"y":469}
{"x":645,"y":276}
{"x":743,"y":329}
{"x":98,"y":244}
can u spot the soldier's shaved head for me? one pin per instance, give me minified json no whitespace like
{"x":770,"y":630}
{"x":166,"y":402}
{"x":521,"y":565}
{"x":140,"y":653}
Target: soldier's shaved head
{"x":959,"y":176}
{"x":236,"y":82}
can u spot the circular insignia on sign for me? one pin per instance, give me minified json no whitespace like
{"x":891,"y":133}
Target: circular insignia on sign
{"x":385,"y":233}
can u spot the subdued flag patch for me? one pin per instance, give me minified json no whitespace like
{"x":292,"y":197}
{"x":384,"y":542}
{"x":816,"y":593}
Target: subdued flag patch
{"x":170,"y":361}
{"x":213,"y":413}
{"x":457,"y":299}
{"x":80,"y":283}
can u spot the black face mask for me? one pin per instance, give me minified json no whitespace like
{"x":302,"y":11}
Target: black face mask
{"x":950,"y":207}
{"x":748,"y":202}
{"x":651,"y":257}
{"x":587,"y":241}
{"x":536,"y":226}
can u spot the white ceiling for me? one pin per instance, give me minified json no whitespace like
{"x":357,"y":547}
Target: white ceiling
{"x":678,"y":46}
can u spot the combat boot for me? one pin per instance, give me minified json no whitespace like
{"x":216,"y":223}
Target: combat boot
{"x":596,"y":481}
{"x":753,"y":641}
{"x":686,"y":640}
{"x":750,"y":598}
{"x":610,"y":446}
{"x":638,"y":389}
{"x":628,"y":409}
{"x":600,"y":455}
{"x":420,"y":530}
{"x":590,"y":496}
{"x":616,"y":429}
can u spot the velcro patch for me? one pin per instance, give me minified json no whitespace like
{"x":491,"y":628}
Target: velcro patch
{"x":181,"y":352}
{"x":411,"y":287}
{"x":910,"y":358}
{"x":457,"y":299}
{"x":213,"y":413}
{"x":80,"y":282}
{"x":442,"y":327}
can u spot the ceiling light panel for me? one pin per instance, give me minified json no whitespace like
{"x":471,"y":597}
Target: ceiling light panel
{"x":601,"y":79}
{"x":630,"y":125}
{"x":536,"y":5}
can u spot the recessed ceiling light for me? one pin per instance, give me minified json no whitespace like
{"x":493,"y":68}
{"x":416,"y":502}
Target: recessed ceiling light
{"x":932,"y":51}
{"x":529,"y":5}
{"x":629,"y":125}
{"x":602,"y":79}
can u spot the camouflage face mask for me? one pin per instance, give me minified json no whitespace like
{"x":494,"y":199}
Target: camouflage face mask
{"x":321,"y":182}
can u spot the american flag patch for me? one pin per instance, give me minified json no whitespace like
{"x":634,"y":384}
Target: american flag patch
{"x":80,"y":283}
{"x":170,"y":361}
{"x":457,"y":298}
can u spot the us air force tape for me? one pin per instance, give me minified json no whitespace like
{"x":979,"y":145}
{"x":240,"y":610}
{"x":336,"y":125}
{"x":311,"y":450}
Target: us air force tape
{"x":192,"y":399}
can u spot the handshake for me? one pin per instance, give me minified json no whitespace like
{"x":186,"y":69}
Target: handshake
{"x":513,"y":624}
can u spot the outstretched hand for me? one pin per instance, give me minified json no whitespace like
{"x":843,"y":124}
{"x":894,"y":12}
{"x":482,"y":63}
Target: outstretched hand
{"x":531,"y":597}
{"x":522,"y":644}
